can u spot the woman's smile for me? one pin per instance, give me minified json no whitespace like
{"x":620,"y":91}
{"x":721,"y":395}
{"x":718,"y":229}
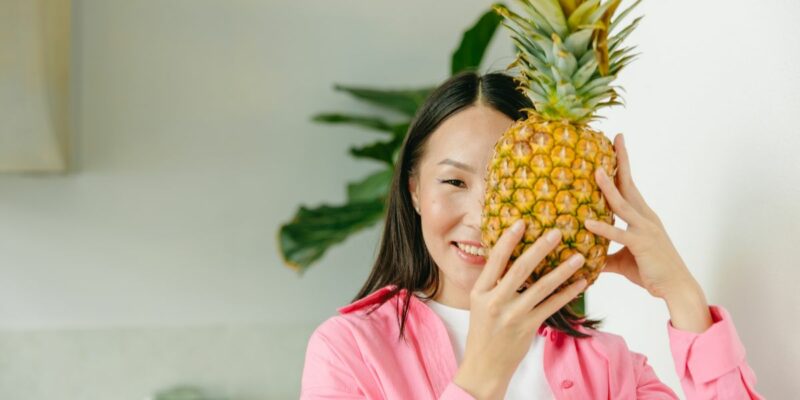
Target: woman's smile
{"x":469,"y":252}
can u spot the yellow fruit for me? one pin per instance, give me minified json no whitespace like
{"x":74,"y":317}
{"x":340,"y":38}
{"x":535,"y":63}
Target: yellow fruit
{"x":543,"y":173}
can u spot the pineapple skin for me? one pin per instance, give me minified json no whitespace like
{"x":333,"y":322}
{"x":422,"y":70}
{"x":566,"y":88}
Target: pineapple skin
{"x":543,"y":173}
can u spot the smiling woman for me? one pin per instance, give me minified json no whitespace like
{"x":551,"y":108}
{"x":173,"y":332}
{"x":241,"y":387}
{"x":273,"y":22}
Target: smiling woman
{"x":450,"y":194}
{"x":440,"y":317}
{"x":431,"y":241}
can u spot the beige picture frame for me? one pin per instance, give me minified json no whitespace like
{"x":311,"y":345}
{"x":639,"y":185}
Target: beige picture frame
{"x":34,"y":85}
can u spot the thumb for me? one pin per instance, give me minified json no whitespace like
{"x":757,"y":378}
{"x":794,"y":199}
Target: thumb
{"x":623,"y":263}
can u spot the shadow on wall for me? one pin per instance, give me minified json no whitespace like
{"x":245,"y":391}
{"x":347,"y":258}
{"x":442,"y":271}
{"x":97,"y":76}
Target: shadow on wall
{"x":758,"y":276}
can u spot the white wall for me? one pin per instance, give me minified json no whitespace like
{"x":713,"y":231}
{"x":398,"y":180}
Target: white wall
{"x":193,"y":143}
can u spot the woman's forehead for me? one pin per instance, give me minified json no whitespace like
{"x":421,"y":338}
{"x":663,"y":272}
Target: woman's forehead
{"x":467,"y":136}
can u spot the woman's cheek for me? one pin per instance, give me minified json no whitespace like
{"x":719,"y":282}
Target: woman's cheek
{"x":443,"y":207}
{"x":436,"y":215}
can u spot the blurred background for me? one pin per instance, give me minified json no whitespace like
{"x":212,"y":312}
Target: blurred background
{"x":151,"y":149}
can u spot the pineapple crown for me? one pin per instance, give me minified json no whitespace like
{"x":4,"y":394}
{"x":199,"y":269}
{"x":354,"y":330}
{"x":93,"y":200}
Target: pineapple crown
{"x":567,"y":56}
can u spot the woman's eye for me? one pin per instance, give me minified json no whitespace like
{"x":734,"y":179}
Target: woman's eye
{"x":454,"y":182}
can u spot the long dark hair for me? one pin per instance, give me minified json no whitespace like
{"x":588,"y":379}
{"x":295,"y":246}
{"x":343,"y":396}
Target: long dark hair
{"x":403,"y":259}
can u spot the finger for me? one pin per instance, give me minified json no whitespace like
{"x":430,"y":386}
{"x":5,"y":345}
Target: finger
{"x":623,"y":162}
{"x":612,"y":263}
{"x":498,"y":257}
{"x":623,"y":263}
{"x":608,"y":231}
{"x":625,"y":177}
{"x":557,"y":301}
{"x":619,"y":205}
{"x":549,"y":282}
{"x":523,"y":266}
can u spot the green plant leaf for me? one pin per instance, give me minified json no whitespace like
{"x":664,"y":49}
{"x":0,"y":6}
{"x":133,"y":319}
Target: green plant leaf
{"x":404,"y":101}
{"x":372,"y":187}
{"x":400,"y":133}
{"x":374,"y":123}
{"x":400,"y":130}
{"x":578,"y":305}
{"x":380,"y":151}
{"x":313,"y":230}
{"x":473,"y":45}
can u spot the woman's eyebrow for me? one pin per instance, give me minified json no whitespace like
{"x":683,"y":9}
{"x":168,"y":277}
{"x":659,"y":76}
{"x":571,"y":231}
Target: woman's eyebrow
{"x":457,"y":164}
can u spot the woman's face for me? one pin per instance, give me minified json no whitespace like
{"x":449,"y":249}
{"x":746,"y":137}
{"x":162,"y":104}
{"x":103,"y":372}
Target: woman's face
{"x":448,"y":191}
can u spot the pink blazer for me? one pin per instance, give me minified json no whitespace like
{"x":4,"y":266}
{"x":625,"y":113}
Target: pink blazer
{"x":355,"y":356}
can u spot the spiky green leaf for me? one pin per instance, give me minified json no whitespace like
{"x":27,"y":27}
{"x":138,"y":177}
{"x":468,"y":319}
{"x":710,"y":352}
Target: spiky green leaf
{"x":618,"y":38}
{"x":608,"y":6}
{"x":618,"y":54}
{"x":581,"y":14}
{"x":536,"y":18}
{"x":594,"y":84}
{"x":622,"y":15}
{"x":589,"y":55}
{"x":578,"y":42}
{"x":584,"y":73}
{"x":551,"y":11}
{"x":568,"y":6}
{"x":534,"y":96}
{"x":622,"y":63}
{"x":565,"y":61}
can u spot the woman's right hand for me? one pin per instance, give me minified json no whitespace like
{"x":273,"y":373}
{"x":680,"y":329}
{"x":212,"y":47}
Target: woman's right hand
{"x":503,"y":323}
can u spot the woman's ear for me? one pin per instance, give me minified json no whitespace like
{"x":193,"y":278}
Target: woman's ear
{"x":413,"y":189}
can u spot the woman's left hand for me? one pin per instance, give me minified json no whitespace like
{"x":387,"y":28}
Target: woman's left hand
{"x":648,"y":258}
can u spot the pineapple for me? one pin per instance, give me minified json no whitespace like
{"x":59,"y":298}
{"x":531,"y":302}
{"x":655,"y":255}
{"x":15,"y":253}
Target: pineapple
{"x":542,"y":169}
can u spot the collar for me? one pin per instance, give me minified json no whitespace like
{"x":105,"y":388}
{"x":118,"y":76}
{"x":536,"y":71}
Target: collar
{"x":370,"y":299}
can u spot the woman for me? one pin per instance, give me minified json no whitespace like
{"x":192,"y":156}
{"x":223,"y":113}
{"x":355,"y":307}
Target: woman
{"x":439,"y":319}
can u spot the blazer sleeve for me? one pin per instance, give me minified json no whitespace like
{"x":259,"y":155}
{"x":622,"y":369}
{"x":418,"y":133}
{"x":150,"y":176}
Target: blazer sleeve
{"x":329,"y":372}
{"x":712,"y":364}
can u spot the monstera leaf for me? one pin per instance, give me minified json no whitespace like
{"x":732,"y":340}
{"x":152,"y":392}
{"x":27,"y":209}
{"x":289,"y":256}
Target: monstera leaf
{"x":312,"y":231}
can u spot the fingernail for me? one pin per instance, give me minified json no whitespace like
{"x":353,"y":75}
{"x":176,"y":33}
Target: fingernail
{"x":575,"y":260}
{"x":517,"y":226}
{"x":553,"y":235}
{"x":622,"y":139}
{"x":582,"y":283}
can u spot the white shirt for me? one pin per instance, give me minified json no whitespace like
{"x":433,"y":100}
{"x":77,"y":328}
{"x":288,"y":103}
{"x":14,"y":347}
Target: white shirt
{"x":528,"y":382}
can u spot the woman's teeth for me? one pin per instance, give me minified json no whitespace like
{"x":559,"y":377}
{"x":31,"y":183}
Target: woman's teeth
{"x":476,"y":251}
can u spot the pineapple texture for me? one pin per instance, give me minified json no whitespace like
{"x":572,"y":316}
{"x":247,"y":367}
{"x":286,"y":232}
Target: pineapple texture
{"x":543,"y":173}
